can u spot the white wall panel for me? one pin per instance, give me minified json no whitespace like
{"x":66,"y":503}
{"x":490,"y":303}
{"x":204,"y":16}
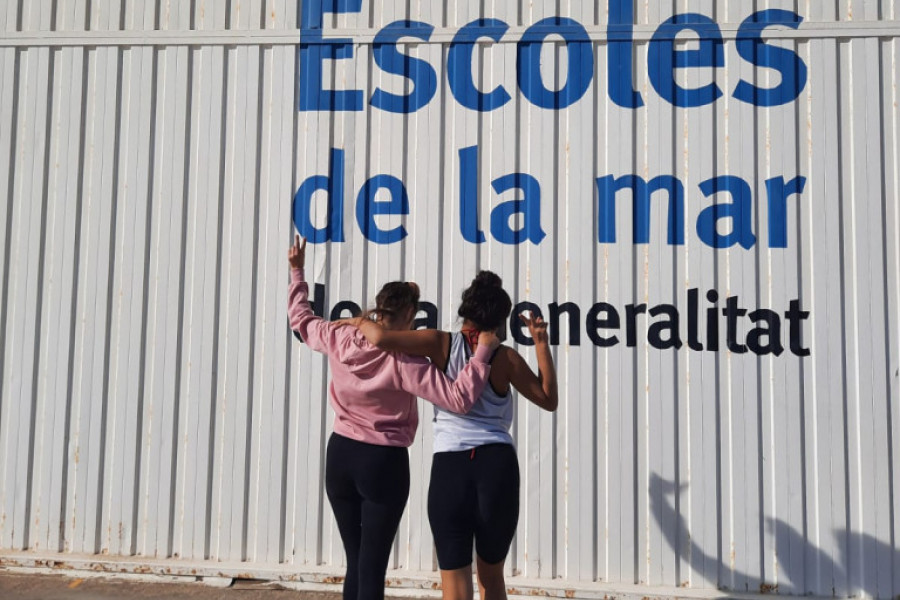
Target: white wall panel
{"x":154,"y":404}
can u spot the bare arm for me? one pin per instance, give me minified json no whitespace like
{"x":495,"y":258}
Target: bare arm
{"x":430,"y":343}
{"x":542,"y":388}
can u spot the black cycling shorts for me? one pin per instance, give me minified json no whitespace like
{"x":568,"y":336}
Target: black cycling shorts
{"x":474,"y":497}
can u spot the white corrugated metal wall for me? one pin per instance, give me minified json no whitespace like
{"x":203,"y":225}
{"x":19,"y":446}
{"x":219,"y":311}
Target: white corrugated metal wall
{"x":153,"y":403}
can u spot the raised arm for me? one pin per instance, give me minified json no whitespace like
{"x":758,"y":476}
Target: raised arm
{"x":314,"y":330}
{"x":540,"y":389}
{"x":430,"y":343}
{"x":426,"y":381}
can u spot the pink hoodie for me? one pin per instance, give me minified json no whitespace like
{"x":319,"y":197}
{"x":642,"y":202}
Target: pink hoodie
{"x":373,"y":392}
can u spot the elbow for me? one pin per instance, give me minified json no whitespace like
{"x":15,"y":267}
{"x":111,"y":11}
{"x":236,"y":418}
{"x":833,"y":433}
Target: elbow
{"x":300,"y":322}
{"x":377,"y":339}
{"x":297,"y":325}
{"x":544,"y":401}
{"x":551,"y":400}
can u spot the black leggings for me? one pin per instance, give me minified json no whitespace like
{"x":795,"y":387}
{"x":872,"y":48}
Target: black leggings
{"x":474,"y":497}
{"x":367,"y":486}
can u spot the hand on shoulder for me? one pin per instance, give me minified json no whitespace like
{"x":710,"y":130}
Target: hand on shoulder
{"x":489,"y":339}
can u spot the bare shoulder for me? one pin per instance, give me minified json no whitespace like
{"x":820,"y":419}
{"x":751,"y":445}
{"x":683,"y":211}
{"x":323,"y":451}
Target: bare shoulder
{"x":505,"y":360}
{"x":508,"y":356}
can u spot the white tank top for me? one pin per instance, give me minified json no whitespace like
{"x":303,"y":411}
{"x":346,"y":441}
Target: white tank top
{"x":489,"y":420}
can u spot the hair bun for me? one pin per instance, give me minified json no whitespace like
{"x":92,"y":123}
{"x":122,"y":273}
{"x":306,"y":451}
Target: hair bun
{"x":485,"y":303}
{"x":487,"y":279}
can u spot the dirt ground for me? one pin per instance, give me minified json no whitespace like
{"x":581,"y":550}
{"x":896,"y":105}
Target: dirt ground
{"x":35,"y":586}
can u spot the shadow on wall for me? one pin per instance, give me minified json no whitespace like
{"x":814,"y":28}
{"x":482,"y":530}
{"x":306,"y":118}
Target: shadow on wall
{"x":815,"y":572}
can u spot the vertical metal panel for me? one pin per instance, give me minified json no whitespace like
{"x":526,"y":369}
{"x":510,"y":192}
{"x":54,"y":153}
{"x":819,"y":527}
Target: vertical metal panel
{"x":153,"y":402}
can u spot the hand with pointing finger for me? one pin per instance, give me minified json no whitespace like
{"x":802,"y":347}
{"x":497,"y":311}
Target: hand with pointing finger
{"x":297,"y":253}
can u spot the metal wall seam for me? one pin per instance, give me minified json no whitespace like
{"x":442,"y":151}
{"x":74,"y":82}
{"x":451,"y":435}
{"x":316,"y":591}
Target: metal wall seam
{"x":892,"y":217}
{"x":22,"y":16}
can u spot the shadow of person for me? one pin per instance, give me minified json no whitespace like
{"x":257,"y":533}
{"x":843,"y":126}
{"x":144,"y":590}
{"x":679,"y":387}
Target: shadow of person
{"x":863,"y":564}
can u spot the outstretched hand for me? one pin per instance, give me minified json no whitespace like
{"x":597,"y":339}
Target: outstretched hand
{"x":537,"y":327}
{"x":297,"y":253}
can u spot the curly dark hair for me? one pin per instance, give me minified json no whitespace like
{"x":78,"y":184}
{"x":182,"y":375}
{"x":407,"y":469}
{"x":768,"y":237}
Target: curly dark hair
{"x":395,"y":298}
{"x":485,"y":303}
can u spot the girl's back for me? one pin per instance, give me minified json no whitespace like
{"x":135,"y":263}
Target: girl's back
{"x":487,"y":422}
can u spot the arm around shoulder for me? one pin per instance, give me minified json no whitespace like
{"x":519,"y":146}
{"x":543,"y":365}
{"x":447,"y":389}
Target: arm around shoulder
{"x":427,"y":381}
{"x":417,"y":342}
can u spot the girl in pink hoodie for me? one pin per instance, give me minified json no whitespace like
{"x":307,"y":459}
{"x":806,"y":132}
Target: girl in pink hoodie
{"x":373,"y":394}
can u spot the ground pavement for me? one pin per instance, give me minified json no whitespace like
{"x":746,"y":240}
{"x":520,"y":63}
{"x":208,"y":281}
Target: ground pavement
{"x":38,"y":586}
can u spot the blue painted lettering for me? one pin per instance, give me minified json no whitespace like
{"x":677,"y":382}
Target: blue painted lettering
{"x":333,"y":186}
{"x":608,"y":186}
{"x":740,"y":211}
{"x":367,"y":208}
{"x":416,"y":70}
{"x":580,"y":61}
{"x":751,"y":48}
{"x":664,"y":59}
{"x":313,"y":51}
{"x":459,"y":66}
